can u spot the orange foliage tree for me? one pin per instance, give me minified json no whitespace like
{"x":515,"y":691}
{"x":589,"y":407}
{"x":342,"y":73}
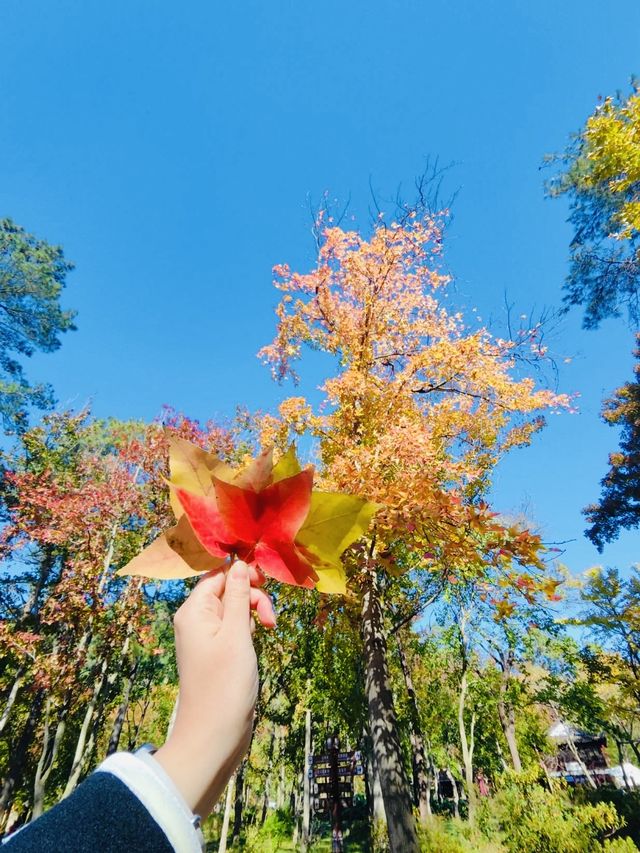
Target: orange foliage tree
{"x":417,"y":411}
{"x":84,"y":497}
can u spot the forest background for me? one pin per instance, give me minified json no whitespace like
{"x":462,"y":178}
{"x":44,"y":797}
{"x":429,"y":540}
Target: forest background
{"x":177,"y":157}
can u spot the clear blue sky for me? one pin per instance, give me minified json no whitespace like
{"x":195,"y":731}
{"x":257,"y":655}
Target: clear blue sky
{"x":171,"y":148}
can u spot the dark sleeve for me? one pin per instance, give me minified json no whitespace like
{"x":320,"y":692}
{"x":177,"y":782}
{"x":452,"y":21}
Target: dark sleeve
{"x":101,"y":816}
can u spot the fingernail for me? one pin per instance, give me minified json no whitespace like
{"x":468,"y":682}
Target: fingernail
{"x":240,"y":570}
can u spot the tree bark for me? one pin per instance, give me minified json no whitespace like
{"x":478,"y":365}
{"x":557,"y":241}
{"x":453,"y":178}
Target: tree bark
{"x":18,"y":755}
{"x":296,"y":800}
{"x":226,"y":817}
{"x":384,"y":727}
{"x":238,"y":804}
{"x":506,"y":712}
{"x":80,"y":754}
{"x":121,"y":714}
{"x":574,"y":750}
{"x":466,"y":742}
{"x":13,"y":695}
{"x":621,"y":760}
{"x":467,"y":745}
{"x":454,"y":793}
{"x":377,"y":800}
{"x":48,"y":756}
{"x":421,"y":781}
{"x":306,"y":784}
{"x":267,"y":784}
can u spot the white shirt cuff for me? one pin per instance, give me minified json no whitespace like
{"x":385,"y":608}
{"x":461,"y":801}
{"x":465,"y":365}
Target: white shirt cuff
{"x":149,"y":782}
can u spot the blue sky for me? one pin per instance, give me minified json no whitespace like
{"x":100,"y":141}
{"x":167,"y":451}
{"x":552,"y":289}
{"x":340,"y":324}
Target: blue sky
{"x":171,"y":149}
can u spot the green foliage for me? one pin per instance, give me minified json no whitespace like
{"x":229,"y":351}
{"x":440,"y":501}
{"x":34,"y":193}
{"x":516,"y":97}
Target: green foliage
{"x":619,"y":845}
{"x":532,"y":818}
{"x":456,"y":836}
{"x":626,"y":803}
{"x":619,"y":504}
{"x":599,"y":175}
{"x":268,"y":838}
{"x":32,"y":276}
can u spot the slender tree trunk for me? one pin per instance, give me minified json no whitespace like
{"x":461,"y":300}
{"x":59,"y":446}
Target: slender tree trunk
{"x":267,"y":785}
{"x":238,"y":804}
{"x":583,"y":766}
{"x":508,"y":724}
{"x":280,"y":797}
{"x":226,"y":817}
{"x":80,"y":753}
{"x":18,"y":755}
{"x":240,"y":794}
{"x":454,"y":793}
{"x":306,"y":784}
{"x":421,"y":781}
{"x":506,"y":712}
{"x":47,"y":564}
{"x":297,"y":811}
{"x":13,"y":695}
{"x":48,"y":757}
{"x":384,"y":728}
{"x":121,"y":714}
{"x":466,"y":744}
{"x":621,"y":760}
{"x":636,"y":750}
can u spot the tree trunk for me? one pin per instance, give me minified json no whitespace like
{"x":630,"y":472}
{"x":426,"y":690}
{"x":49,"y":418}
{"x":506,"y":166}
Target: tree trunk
{"x":280,"y":797}
{"x":377,"y":800}
{"x":48,"y":757}
{"x":636,"y":751}
{"x":466,"y":744}
{"x":239,"y":800}
{"x":454,"y":793}
{"x":47,"y":564}
{"x":621,"y":760}
{"x":306,"y":784}
{"x":421,"y":781}
{"x":267,"y":783}
{"x":574,"y":750}
{"x":507,"y":721}
{"x":18,"y":756}
{"x":13,"y":695}
{"x":121,"y":714}
{"x":296,"y":800}
{"x":384,"y":728}
{"x":80,"y":754}
{"x":506,"y":712}
{"x":226,"y":817}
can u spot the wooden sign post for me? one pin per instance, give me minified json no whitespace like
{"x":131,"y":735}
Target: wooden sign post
{"x":332,"y":773}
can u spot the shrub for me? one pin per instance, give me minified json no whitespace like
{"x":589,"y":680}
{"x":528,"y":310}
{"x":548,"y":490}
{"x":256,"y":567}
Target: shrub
{"x":532,"y":818}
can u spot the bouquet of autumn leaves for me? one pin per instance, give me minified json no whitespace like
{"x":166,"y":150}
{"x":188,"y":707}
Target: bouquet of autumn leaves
{"x":267,"y":515}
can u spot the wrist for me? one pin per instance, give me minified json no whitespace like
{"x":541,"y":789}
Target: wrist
{"x":198,"y":767}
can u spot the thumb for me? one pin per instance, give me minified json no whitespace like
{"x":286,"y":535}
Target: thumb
{"x":237,"y":597}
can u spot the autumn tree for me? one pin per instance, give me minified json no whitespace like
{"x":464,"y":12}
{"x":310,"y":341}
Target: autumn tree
{"x":79,"y":642}
{"x":599,"y":175}
{"x":611,"y":614}
{"x":418,"y":411}
{"x":33,"y":275}
{"x":619,"y":504}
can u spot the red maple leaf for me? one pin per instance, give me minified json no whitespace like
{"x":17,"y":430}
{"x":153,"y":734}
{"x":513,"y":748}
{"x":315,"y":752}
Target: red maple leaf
{"x":257,"y":525}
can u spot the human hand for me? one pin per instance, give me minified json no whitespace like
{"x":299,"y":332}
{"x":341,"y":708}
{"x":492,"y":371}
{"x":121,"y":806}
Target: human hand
{"x":218,"y":675}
